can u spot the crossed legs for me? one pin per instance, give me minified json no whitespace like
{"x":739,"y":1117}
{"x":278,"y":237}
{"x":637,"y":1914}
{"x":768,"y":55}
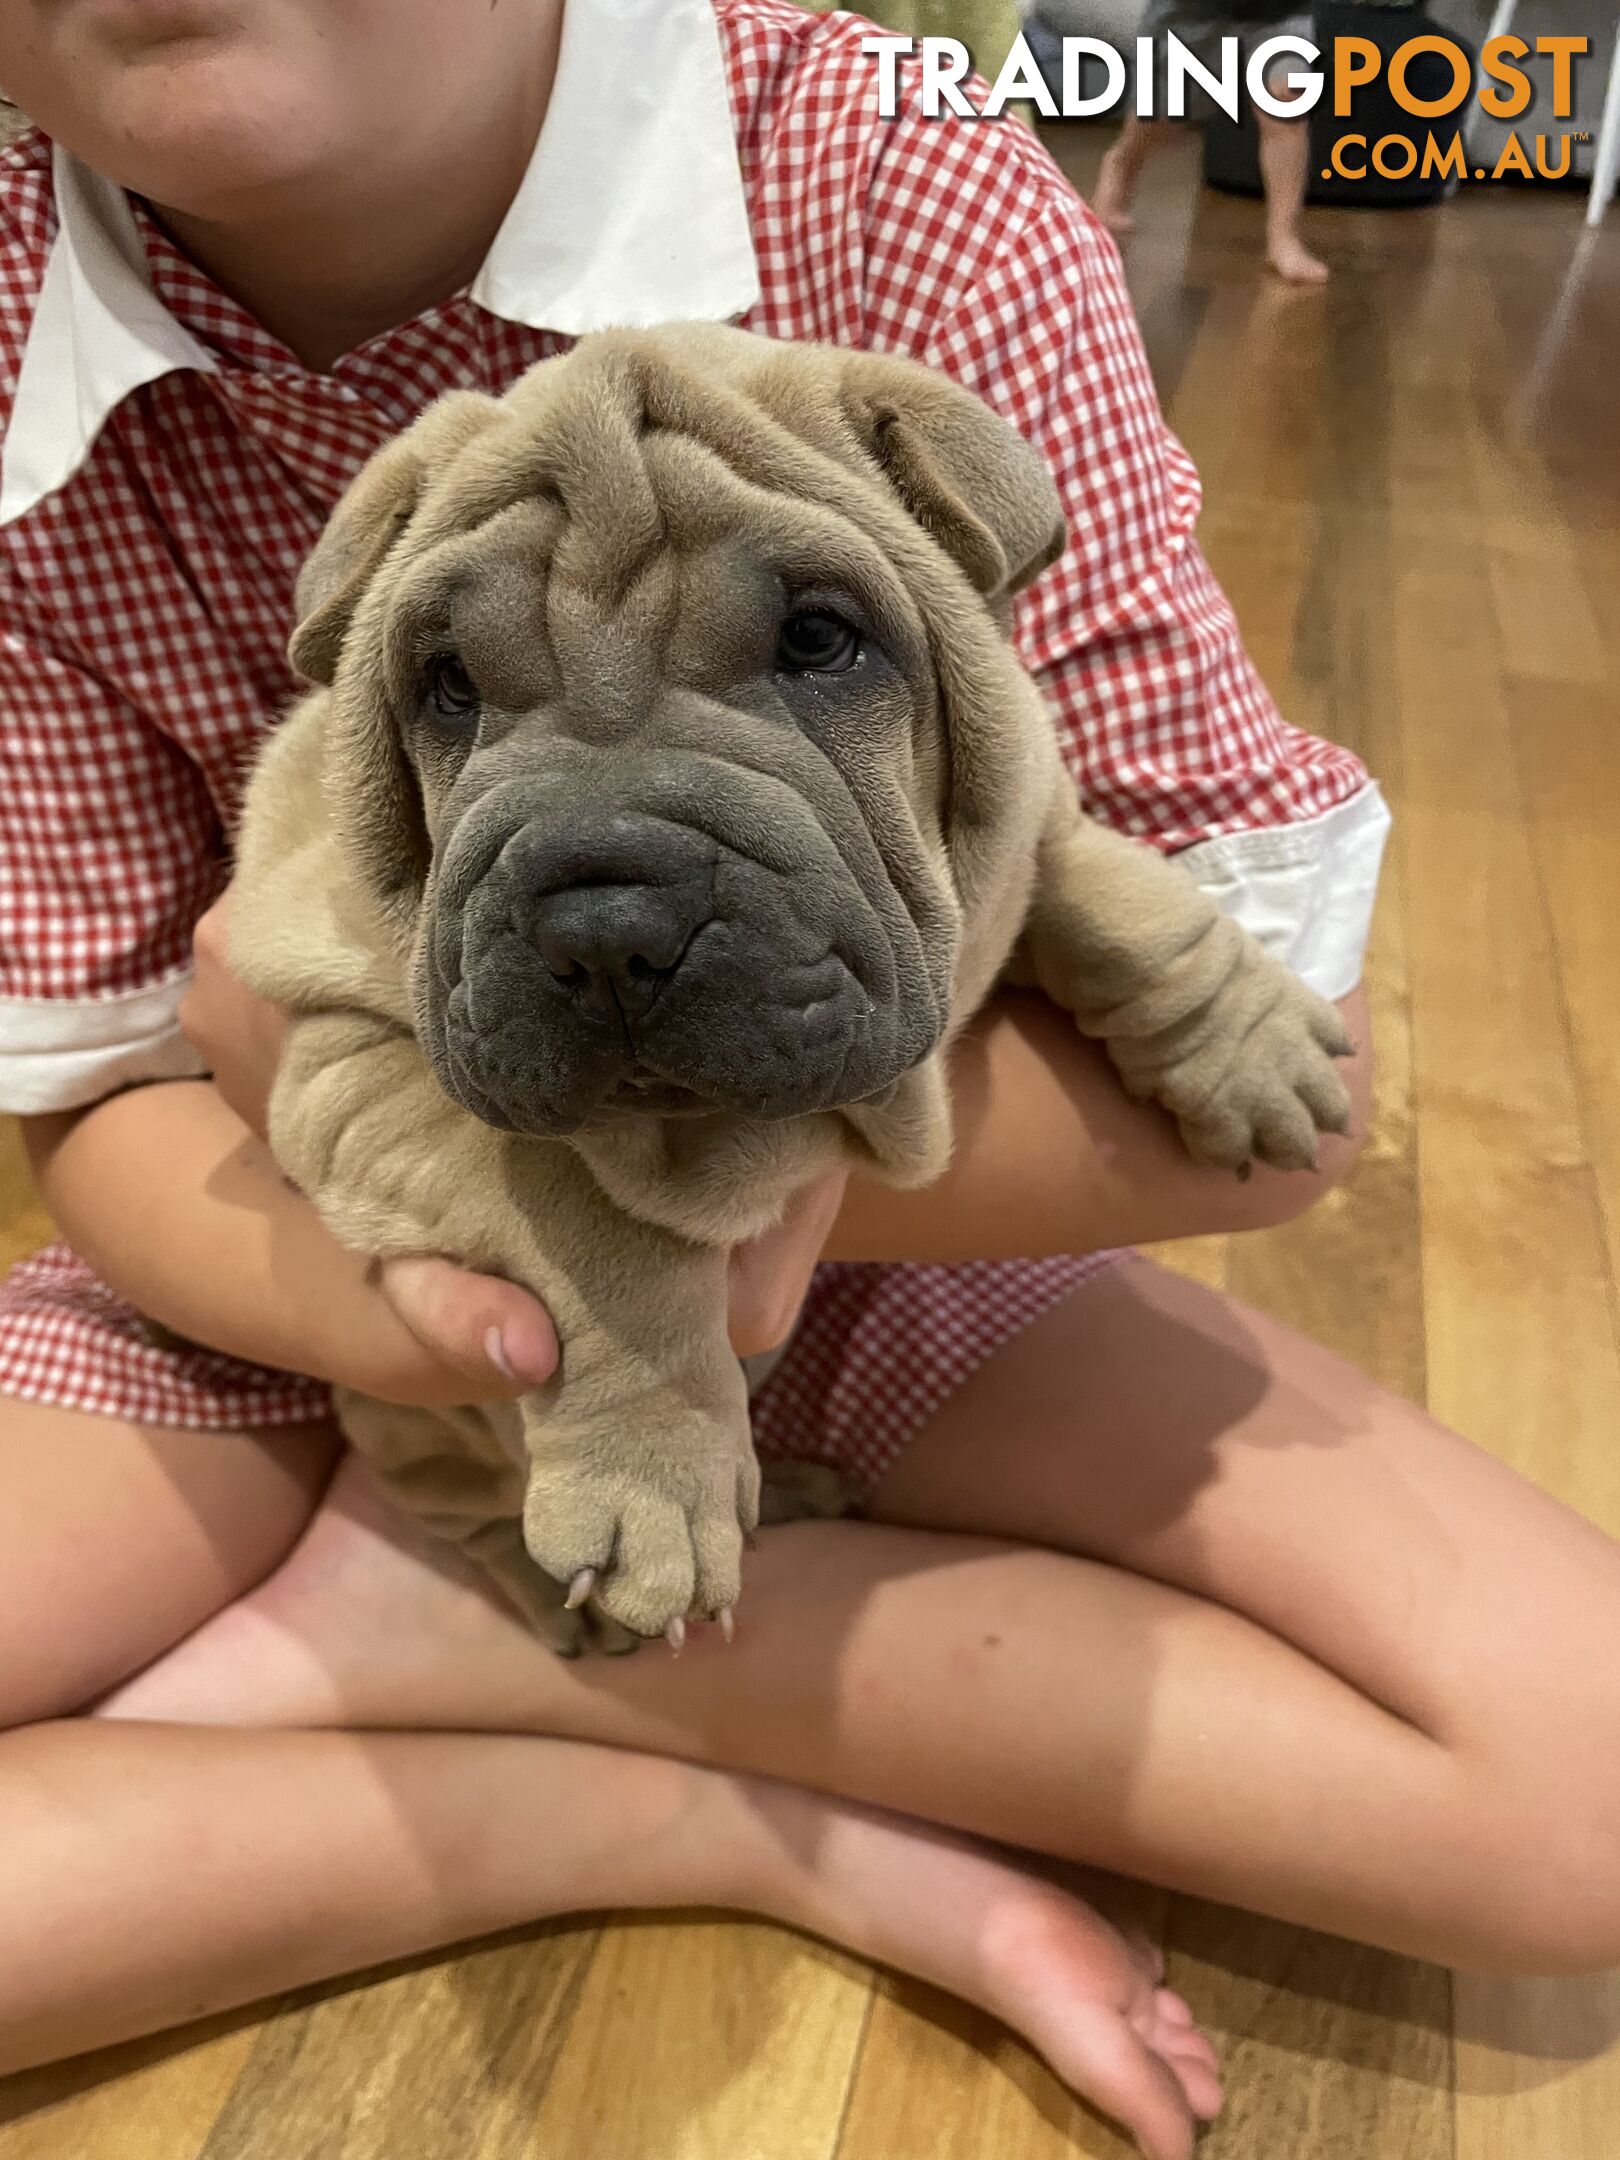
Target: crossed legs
{"x":152,"y":1872}
{"x":1260,"y":1651}
{"x":1164,"y":1588}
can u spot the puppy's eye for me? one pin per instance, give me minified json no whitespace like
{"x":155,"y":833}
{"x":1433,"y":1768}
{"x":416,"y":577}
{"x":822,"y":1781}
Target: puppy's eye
{"x":817,"y":642}
{"x":451,"y":690}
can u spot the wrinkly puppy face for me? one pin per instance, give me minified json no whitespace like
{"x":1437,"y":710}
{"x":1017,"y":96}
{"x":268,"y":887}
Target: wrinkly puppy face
{"x":641,"y":725}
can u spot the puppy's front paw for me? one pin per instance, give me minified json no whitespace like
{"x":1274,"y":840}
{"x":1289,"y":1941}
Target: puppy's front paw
{"x":646,"y":1548}
{"x":1261,"y":1086}
{"x":538,"y":1601}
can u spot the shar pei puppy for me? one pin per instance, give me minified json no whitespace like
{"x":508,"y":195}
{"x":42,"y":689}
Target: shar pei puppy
{"x":668,"y":796}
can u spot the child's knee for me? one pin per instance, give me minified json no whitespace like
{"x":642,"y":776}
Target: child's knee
{"x":1548,"y":1882}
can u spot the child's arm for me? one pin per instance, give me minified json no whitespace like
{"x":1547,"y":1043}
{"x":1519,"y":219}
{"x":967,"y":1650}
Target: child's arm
{"x":179,"y":1206}
{"x":1051,"y":1156}
{"x":180,"y":1209}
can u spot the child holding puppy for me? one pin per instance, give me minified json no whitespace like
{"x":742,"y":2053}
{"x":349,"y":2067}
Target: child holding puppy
{"x":1113,"y":1598}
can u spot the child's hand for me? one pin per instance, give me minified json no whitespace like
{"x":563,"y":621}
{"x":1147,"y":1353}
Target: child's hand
{"x":484,"y":1339}
{"x":770,"y":1275}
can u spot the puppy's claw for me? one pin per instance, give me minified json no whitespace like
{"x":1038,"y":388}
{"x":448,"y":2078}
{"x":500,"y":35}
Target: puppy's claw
{"x":580,"y":1589}
{"x":728,"y":1623}
{"x":675,"y":1636}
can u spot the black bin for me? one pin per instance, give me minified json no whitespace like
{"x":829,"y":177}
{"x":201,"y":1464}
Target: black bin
{"x":1231,"y":147}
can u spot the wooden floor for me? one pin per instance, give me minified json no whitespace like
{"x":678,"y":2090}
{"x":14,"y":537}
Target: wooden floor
{"x":1414,"y":497}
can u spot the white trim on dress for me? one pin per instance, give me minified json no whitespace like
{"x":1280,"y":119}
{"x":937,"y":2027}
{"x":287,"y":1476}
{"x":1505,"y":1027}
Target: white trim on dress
{"x":1306,"y":891}
{"x":60,"y":1053}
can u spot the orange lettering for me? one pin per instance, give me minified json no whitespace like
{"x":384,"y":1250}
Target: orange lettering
{"x":1347,"y":76}
{"x":1344,"y":171}
{"x":1564,"y":51}
{"x":1462,"y":78}
{"x":1512,"y":160}
{"x":1451,"y":163}
{"x":1497,"y":61}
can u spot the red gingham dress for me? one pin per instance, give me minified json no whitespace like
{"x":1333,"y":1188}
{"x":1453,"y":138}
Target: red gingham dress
{"x":144,"y":608}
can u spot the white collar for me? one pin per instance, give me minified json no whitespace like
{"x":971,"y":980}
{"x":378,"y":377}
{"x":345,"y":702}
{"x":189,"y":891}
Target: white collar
{"x":631,"y":212}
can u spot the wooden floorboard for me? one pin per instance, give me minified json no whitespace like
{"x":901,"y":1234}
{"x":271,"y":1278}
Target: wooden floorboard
{"x":939,"y":2082}
{"x":1412,"y":493}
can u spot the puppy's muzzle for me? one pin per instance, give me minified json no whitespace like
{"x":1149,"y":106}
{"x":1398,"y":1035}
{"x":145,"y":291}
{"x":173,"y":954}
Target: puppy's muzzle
{"x":594,"y":962}
{"x":612,"y":931}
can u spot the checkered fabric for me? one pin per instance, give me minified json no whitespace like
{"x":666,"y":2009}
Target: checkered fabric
{"x":879,"y":1349}
{"x":145,"y":607}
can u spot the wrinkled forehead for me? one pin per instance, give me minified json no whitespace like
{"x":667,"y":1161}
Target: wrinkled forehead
{"x":594,"y":523}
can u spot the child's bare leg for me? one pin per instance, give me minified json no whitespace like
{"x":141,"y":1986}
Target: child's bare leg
{"x":116,"y":1540}
{"x":1137,"y":141}
{"x":150,"y":1874}
{"x":1285,"y":1670}
{"x":1285,"y":151}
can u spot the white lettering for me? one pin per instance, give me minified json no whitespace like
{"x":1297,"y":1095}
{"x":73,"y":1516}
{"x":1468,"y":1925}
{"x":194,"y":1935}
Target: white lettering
{"x":1020,"y":77}
{"x":944,"y":62}
{"x":1306,"y":84}
{"x":1144,"y":78}
{"x":1076,"y":105}
{"x":889,"y":52}
{"x":1182,"y":65}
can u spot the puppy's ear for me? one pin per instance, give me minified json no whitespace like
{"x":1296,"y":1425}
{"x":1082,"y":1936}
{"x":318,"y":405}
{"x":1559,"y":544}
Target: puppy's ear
{"x":966,"y":475}
{"x":369,"y":518}
{"x":376,"y":803}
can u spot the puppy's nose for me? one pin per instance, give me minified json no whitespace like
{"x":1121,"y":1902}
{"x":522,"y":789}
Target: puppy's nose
{"x":616,"y":946}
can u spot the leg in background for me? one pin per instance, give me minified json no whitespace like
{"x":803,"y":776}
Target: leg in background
{"x":1137,"y":141}
{"x":1285,"y":150}
{"x":1606,"y":161}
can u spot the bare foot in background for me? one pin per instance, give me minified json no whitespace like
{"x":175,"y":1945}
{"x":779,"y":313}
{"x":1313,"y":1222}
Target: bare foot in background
{"x":1293,"y":261}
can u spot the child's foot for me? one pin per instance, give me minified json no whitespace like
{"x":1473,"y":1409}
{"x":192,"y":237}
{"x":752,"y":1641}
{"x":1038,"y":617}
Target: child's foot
{"x":1293,"y":261}
{"x":1111,"y":197}
{"x":1084,"y":1997}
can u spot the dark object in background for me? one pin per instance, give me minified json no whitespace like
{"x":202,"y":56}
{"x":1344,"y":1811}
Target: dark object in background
{"x":1231,"y":147}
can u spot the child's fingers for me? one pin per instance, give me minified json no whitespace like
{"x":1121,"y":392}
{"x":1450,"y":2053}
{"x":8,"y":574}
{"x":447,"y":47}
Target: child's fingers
{"x":499,"y":1340}
{"x":497,"y":1336}
{"x":771,"y":1274}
